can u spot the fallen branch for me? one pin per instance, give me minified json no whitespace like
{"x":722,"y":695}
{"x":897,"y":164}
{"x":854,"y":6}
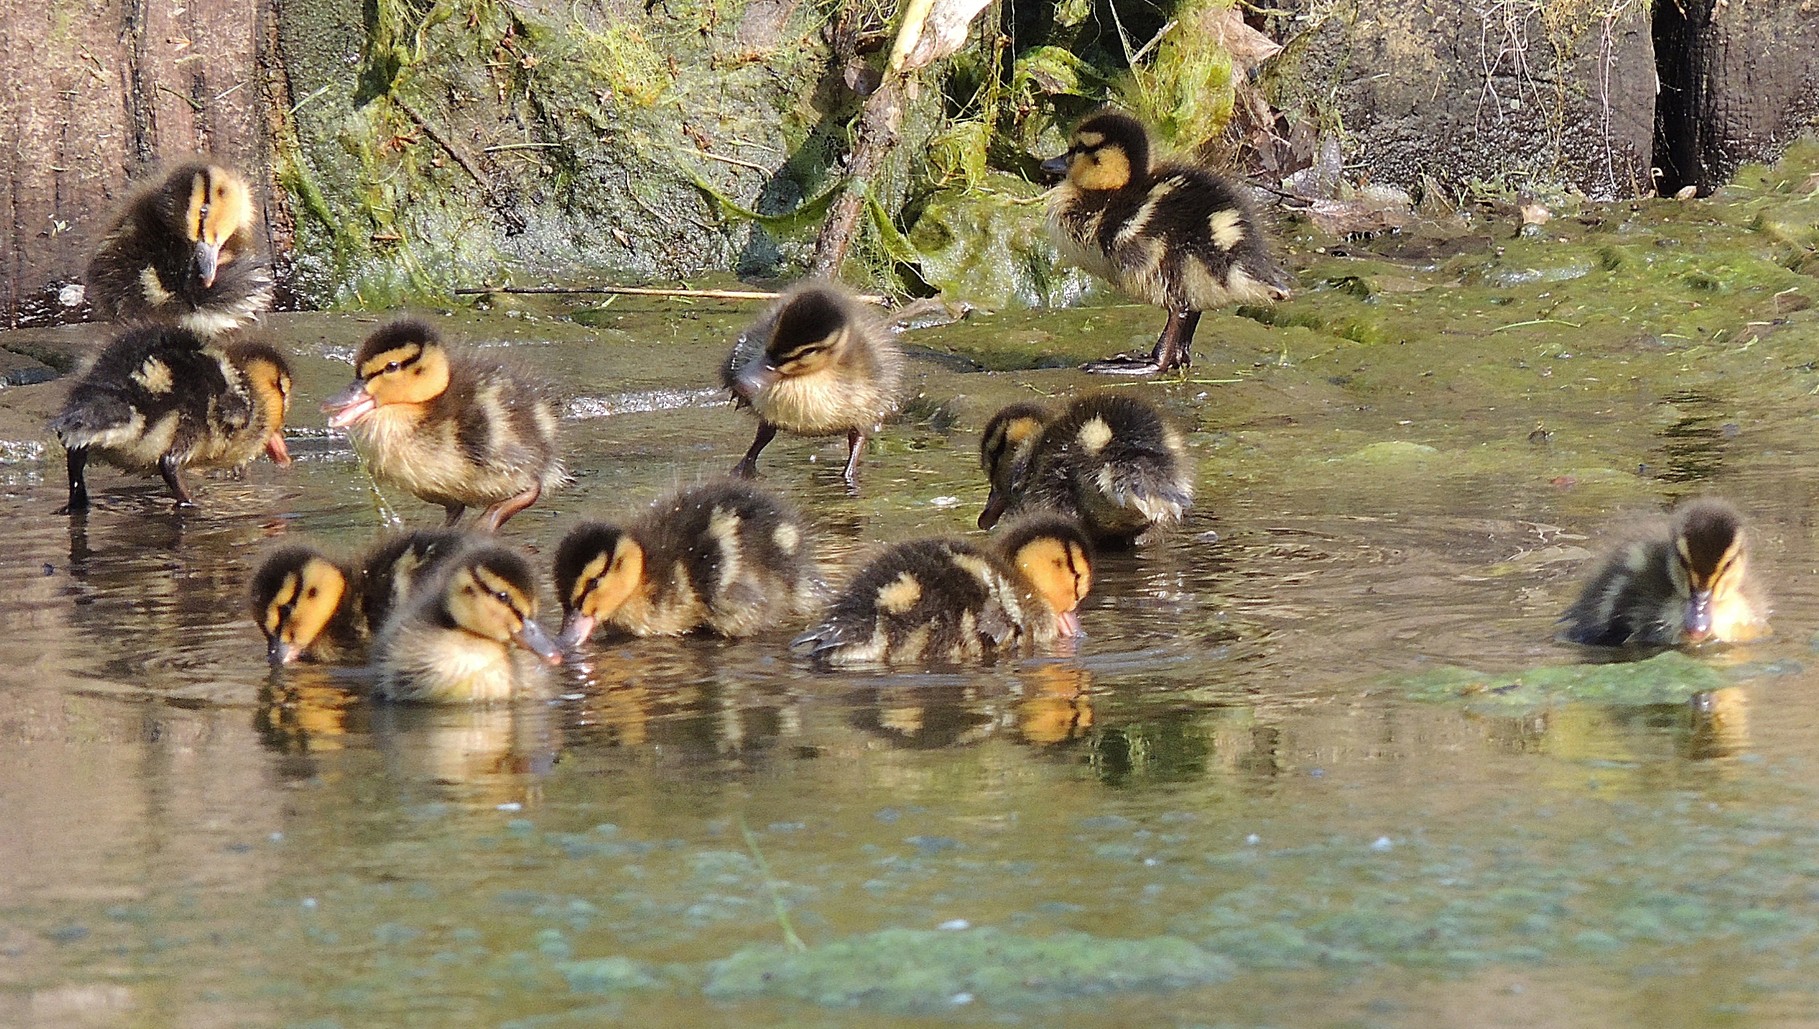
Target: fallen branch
{"x":652,"y":291}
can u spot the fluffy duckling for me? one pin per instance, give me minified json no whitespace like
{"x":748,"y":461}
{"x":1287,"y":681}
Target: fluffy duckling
{"x":158,"y":398}
{"x":313,"y":607}
{"x":725,"y":557}
{"x":182,"y":250}
{"x":453,"y":642}
{"x":1112,"y":461}
{"x":1170,"y":233}
{"x":455,"y":429}
{"x":817,"y":364}
{"x":948,"y":600}
{"x":1689,"y":587}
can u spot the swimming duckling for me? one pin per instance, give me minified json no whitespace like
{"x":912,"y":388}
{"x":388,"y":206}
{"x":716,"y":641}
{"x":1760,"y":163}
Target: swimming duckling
{"x":453,"y":642}
{"x":817,"y":364}
{"x":313,"y":607}
{"x":158,"y":398}
{"x":949,"y":601}
{"x":1689,"y":587}
{"x":1173,"y":234}
{"x":725,"y":557}
{"x":1112,"y":461}
{"x":182,"y":250}
{"x":455,"y":429}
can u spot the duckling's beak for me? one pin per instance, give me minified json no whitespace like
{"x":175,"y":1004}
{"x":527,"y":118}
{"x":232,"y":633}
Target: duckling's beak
{"x":279,"y":653}
{"x":576,"y":628}
{"x":1067,"y":623}
{"x":754,"y":379}
{"x":1055,"y":166}
{"x":208,"y":257}
{"x":349,"y":406}
{"x":277,"y":451}
{"x":1699,"y":617}
{"x":531,"y":637}
{"x":994,"y":509}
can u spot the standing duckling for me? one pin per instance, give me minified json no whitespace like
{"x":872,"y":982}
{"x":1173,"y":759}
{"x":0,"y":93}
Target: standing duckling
{"x":1173,"y":234}
{"x":817,"y":364}
{"x":313,"y":607}
{"x":940,"y":601}
{"x":1687,"y":587}
{"x":158,"y":398}
{"x":455,"y":429}
{"x":1112,"y":461}
{"x":453,"y":643}
{"x":182,"y":251}
{"x":726,"y":557}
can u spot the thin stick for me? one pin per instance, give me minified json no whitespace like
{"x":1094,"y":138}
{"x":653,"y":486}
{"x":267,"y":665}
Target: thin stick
{"x":652,"y":291}
{"x":770,"y":883}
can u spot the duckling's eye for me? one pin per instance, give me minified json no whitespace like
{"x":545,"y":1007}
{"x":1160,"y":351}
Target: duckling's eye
{"x":392,"y":366}
{"x":500,"y":596}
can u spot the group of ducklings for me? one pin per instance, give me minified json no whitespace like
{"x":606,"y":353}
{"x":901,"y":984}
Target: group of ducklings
{"x":451,"y":616}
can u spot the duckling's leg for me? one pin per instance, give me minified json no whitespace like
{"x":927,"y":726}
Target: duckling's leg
{"x":496,"y":515}
{"x":78,"y":485}
{"x":453,"y":513}
{"x":169,"y":468}
{"x":855,"y":441}
{"x":1171,"y":350}
{"x":748,"y":467}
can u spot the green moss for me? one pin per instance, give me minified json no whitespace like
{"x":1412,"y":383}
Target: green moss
{"x":924,"y":971}
{"x":1667,"y":678}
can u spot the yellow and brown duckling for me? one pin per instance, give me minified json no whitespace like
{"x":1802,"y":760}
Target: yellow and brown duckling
{"x":455,"y":429}
{"x":1689,"y":585}
{"x":817,"y":364}
{"x":313,"y":607}
{"x":157,"y":397}
{"x":1112,"y":461}
{"x":949,"y":601}
{"x":725,"y":557}
{"x":1170,"y":233}
{"x":182,"y":251}
{"x":460,"y":639}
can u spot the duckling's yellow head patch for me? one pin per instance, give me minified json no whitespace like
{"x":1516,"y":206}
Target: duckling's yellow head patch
{"x":295,"y":595}
{"x":414,"y":372}
{"x":220,"y":205}
{"x":598,"y":568}
{"x":811,"y":332}
{"x":1108,"y":151}
{"x":488,"y":601}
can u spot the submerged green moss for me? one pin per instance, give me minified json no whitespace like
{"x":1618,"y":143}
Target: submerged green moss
{"x":1666,"y":678}
{"x":926,"y":971}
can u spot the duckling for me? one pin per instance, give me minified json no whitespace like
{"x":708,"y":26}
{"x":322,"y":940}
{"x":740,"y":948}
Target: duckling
{"x":1172,"y":233}
{"x":1112,"y":461}
{"x":182,"y":250}
{"x":1689,"y":587}
{"x":157,"y":397}
{"x":313,"y":607}
{"x":948,"y":600}
{"x":452,"y":643}
{"x":454,"y":429}
{"x":817,"y":364}
{"x":725,"y":557}
{"x":306,"y":604}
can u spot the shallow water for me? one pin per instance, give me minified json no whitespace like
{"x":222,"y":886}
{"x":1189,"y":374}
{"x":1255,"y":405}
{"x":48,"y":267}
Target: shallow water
{"x":1317,"y":762}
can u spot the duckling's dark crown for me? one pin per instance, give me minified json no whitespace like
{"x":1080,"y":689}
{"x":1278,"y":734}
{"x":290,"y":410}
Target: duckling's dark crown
{"x":405,"y":332}
{"x":243,"y":352}
{"x":1114,"y":129}
{"x":579,"y":548}
{"x":502,"y":563}
{"x":808,"y":318}
{"x":277,"y":566}
{"x":1013,"y":537}
{"x":1707,"y":530}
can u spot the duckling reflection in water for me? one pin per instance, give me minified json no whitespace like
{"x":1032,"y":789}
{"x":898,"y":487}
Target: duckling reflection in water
{"x":1171,"y":233}
{"x":1688,"y":585}
{"x":182,"y":251}
{"x":1114,"y":462}
{"x":723,"y":557}
{"x":159,"y":397}
{"x":456,"y":641}
{"x":314,"y":607}
{"x":817,"y":364}
{"x":455,"y":429}
{"x":940,"y":601}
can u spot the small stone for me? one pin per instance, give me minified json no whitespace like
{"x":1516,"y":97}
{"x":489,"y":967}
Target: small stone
{"x":955,"y":925}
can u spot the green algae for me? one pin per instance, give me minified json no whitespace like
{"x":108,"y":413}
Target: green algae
{"x":926,"y":971}
{"x":1670,"y":677}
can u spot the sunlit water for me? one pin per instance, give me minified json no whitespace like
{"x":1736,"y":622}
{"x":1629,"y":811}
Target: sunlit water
{"x":1221,"y":810}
